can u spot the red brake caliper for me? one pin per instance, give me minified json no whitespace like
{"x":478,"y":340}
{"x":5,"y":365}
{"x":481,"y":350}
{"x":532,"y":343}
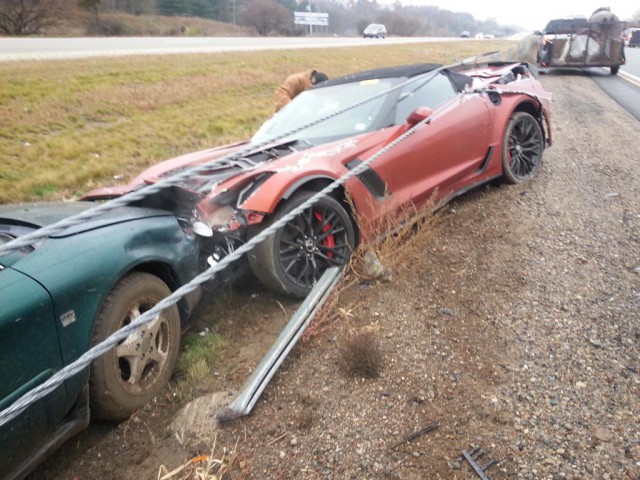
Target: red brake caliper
{"x":329,"y":241}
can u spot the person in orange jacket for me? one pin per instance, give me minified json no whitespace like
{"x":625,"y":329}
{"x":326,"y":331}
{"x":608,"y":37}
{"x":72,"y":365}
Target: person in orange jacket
{"x":296,"y":84}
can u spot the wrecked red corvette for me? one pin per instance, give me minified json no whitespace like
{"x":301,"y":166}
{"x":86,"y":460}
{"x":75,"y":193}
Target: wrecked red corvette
{"x":479,"y":123}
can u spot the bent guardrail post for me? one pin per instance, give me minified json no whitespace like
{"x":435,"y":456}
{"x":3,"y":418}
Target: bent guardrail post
{"x":266,"y":369}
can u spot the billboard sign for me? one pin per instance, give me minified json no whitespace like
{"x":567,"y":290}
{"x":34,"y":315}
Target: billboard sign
{"x":311,"y":18}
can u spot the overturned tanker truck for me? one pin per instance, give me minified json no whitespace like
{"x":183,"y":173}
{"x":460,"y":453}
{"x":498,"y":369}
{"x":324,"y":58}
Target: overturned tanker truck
{"x":578,"y":42}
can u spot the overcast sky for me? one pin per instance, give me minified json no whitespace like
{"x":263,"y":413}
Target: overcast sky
{"x":532,"y":15}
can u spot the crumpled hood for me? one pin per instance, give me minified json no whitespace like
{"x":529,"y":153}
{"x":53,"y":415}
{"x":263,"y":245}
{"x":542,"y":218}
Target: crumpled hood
{"x":288,"y":155}
{"x":158,"y":170}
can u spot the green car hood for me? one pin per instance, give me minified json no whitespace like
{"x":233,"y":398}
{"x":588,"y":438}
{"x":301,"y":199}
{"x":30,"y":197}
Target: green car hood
{"x":38,"y":215}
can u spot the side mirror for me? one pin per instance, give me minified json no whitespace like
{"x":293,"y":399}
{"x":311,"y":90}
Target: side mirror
{"x":537,"y":32}
{"x":418,"y":115}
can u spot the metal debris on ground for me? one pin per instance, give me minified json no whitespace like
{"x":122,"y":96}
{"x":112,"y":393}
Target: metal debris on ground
{"x":408,"y":438}
{"x":472,"y":458}
{"x":244,"y":402}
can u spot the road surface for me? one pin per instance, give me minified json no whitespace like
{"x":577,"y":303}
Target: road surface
{"x":61,"y":48}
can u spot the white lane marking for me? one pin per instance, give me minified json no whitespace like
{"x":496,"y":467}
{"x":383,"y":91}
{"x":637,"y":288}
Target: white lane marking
{"x":630,"y":78}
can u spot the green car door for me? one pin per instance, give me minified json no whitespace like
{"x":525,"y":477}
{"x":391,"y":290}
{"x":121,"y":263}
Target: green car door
{"x":29,"y":355}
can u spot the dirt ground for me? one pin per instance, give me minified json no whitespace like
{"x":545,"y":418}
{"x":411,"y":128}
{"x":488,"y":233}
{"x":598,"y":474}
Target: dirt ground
{"x":516,"y":328}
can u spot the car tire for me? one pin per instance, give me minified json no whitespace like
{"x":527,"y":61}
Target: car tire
{"x":128,"y":376}
{"x":615,"y":69}
{"x":293,"y":259}
{"x":522,"y":148}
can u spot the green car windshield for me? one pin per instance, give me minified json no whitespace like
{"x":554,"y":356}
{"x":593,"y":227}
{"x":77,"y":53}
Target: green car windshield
{"x":317,"y":103}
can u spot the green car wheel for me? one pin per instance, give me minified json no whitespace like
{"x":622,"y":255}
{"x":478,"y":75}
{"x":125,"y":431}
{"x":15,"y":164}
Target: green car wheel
{"x":134,"y":371}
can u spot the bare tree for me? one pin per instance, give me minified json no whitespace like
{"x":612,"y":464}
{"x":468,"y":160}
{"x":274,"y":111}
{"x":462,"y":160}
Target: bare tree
{"x":92,"y":6}
{"x":27,"y":17}
{"x":401,"y":25}
{"x":268,"y":16}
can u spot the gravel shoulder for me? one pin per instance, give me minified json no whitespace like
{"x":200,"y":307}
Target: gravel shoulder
{"x":516,"y":328}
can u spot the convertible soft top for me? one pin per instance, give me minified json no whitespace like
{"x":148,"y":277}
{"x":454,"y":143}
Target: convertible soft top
{"x":400,"y":71}
{"x":388,"y":72}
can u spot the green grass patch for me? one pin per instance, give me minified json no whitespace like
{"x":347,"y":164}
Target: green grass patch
{"x":198,"y":357}
{"x":75,"y":124}
{"x":46,"y":190}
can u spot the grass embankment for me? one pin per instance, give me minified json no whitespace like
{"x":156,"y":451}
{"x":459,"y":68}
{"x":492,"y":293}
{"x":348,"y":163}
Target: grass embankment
{"x":80,"y":23}
{"x":70,"y":126}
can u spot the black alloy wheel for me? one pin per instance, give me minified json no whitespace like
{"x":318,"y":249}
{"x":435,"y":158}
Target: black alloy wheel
{"x":522,"y":148}
{"x":293,"y":259}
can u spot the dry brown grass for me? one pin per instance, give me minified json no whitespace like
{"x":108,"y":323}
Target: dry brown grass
{"x":79,"y":23}
{"x":218,"y":464}
{"x":361,"y":355}
{"x":395,"y":238}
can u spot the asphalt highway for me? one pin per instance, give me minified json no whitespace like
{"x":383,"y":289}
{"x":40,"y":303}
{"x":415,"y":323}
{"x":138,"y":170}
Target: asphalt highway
{"x":624,"y":87}
{"x":61,"y":48}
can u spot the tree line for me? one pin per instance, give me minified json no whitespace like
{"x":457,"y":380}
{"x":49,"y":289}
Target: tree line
{"x":266,"y":17}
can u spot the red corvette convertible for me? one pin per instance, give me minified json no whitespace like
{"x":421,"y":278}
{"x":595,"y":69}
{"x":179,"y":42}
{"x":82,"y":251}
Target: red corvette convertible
{"x":476,"y":124}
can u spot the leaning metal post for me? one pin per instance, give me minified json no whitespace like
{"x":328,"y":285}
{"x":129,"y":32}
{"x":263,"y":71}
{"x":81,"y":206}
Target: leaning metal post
{"x":253,"y":388}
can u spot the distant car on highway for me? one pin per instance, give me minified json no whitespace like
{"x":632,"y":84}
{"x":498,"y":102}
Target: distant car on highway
{"x":634,"y":38}
{"x":375,"y":30}
{"x":465,"y":34}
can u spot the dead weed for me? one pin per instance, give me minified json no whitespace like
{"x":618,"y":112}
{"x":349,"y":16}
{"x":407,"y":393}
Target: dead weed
{"x":362,"y":356}
{"x":222,"y":465}
{"x":397,"y":238}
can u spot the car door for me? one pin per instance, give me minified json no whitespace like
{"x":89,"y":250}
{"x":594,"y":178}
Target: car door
{"x":29,"y":355}
{"x":453,"y":144}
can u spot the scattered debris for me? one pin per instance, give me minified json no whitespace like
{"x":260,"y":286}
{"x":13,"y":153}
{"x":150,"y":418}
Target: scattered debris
{"x":408,"y":438}
{"x":472,"y":458}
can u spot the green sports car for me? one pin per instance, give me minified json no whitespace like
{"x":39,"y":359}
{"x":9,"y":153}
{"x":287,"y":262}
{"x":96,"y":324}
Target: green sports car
{"x":64,"y":294}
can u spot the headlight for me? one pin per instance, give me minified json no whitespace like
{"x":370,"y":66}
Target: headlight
{"x":202,"y":229}
{"x":221,"y":217}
